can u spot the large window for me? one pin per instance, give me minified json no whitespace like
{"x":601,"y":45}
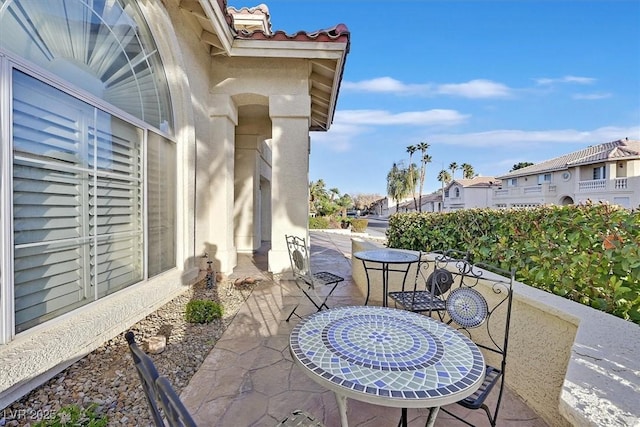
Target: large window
{"x":89,"y":169}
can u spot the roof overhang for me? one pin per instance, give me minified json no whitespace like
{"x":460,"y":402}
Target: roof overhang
{"x":326,"y":51}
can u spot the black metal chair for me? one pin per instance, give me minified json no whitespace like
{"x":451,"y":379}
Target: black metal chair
{"x":437,"y":273}
{"x":481,"y":308}
{"x":307,"y":280}
{"x":158,"y":391}
{"x":165,"y":404}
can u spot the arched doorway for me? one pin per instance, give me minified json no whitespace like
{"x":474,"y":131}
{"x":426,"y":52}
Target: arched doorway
{"x":566,"y":200}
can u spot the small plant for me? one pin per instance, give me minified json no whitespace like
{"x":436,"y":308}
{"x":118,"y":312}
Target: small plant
{"x":74,"y":415}
{"x":203,"y":311}
{"x":318,"y":222}
{"x":359,"y":225}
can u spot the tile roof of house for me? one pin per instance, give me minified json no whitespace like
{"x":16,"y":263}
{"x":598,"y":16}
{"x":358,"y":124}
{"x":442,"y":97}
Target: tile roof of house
{"x":337,"y":33}
{"x":620,"y":149}
{"x":476,"y":182}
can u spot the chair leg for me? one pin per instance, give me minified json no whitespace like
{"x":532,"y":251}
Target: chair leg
{"x":293,"y":312}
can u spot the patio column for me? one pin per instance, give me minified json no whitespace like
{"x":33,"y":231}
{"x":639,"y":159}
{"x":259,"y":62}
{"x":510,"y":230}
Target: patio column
{"x":214,"y":182}
{"x":290,"y":115}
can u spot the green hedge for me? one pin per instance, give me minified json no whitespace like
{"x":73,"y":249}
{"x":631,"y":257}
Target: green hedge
{"x":587,"y":253}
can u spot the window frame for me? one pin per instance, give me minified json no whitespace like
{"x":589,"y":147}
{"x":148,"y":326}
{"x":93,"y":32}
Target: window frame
{"x":8,"y":64}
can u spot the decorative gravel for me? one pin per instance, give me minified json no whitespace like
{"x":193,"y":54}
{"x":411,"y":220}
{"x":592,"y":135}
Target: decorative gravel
{"x":107,"y":376}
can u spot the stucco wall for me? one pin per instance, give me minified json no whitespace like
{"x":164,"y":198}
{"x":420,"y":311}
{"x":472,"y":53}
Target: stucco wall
{"x":570,"y":363}
{"x":39,"y":353}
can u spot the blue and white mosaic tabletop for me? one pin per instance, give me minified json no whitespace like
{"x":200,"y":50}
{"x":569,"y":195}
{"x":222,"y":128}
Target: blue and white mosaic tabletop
{"x":387,"y":356}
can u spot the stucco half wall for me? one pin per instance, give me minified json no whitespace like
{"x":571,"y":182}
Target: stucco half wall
{"x":572,"y":364}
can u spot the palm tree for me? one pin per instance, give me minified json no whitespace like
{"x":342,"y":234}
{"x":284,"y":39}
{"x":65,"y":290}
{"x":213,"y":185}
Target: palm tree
{"x":399,"y":183}
{"x":467,"y":171}
{"x":334,"y":192}
{"x":425,"y":159}
{"x":412,"y":149}
{"x":453,"y":167}
{"x":444,"y":177}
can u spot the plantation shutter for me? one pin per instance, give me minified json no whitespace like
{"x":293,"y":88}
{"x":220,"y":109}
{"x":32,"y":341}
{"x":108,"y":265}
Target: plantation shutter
{"x":48,"y":188}
{"x":77,"y":199}
{"x":115,"y":201}
{"x":161,"y":204}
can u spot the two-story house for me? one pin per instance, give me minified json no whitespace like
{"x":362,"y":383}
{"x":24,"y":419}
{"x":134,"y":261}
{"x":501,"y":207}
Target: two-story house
{"x":476,"y":192}
{"x":608,"y":172}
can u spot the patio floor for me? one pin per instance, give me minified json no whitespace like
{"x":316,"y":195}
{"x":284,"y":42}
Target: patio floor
{"x":249,"y":378}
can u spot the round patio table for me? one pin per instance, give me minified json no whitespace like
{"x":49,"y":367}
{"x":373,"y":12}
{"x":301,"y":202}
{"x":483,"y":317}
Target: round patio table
{"x":386,"y":260}
{"x":387,"y":357}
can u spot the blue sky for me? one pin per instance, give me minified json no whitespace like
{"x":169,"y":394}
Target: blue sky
{"x":489,"y":83}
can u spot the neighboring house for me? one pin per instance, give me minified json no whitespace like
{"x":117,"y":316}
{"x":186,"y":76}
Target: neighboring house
{"x":608,"y":172}
{"x":139,"y":137}
{"x":427,"y":202}
{"x":476,"y":192}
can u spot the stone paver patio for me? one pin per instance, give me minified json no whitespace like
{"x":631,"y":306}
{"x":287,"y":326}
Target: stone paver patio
{"x":249,"y":378}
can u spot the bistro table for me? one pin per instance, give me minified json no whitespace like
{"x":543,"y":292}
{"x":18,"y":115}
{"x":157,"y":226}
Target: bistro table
{"x":386,"y":356}
{"x":386,"y":260}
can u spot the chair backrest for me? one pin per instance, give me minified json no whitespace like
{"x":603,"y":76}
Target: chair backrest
{"x":148,"y":375}
{"x":481,"y":306}
{"x":299,"y":257}
{"x":174,"y":410}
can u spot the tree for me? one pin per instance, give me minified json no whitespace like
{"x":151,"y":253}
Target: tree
{"x":423,"y":147}
{"x":467,"y":171}
{"x":365,"y":201}
{"x":398,"y":183}
{"x":333,"y":192}
{"x":412,"y":149}
{"x":520,"y":165}
{"x":453,"y":167}
{"x":444,"y":177}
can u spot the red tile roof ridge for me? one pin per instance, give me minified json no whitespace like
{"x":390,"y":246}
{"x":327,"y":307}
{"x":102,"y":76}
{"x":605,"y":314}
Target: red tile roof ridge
{"x":337,"y":33}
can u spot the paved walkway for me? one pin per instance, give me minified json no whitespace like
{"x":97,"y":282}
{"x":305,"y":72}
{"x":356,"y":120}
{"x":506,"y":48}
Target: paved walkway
{"x":249,"y":378}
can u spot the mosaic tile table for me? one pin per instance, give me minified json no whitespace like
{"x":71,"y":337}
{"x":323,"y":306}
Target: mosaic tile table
{"x":386,"y":260}
{"x":387,"y":357}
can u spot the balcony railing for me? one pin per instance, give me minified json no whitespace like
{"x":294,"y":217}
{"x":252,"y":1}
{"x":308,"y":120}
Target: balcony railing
{"x":593,"y":184}
{"x":620,"y":184}
{"x":602,"y":184}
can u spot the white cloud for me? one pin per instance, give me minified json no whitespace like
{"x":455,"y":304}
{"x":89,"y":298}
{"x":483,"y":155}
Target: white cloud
{"x":591,"y":96}
{"x":413,"y":118}
{"x":475,"y":89}
{"x":384,"y":85}
{"x":546,"y":81}
{"x":512,"y":137}
{"x":478,"y":88}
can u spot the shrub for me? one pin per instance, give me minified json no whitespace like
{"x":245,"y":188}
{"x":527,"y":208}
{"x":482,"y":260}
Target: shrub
{"x":587,"y":253}
{"x":318,"y":222}
{"x":359,"y":225}
{"x":203,"y":311}
{"x":74,"y":415}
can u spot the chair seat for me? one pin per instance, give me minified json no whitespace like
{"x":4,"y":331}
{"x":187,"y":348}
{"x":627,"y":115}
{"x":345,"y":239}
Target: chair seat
{"x":418,"y":301}
{"x":476,"y":400}
{"x":326,"y":278}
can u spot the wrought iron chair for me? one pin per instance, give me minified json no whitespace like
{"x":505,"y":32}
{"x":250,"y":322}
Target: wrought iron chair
{"x":158,"y":391}
{"x":161,"y":395}
{"x":481,"y":308}
{"x":307,"y":280}
{"x":435,"y":276}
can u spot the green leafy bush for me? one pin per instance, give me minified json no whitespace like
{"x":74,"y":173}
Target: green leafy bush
{"x":359,"y":225}
{"x":587,"y":253}
{"x":318,"y":222}
{"x":74,"y":415}
{"x":202,"y":311}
